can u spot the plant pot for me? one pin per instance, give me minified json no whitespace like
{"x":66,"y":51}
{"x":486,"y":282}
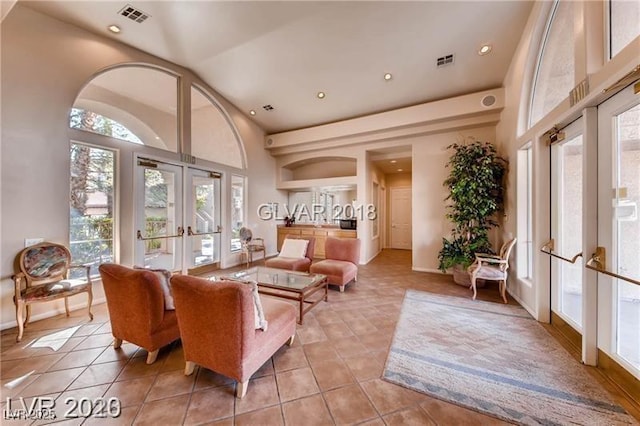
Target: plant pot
{"x":462,"y":277}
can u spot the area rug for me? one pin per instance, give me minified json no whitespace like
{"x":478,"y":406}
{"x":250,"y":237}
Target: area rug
{"x":495,"y":359}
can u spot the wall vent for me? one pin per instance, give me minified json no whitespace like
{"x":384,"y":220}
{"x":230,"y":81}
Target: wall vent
{"x":134,"y":14}
{"x":444,"y":60}
{"x":268,"y":107}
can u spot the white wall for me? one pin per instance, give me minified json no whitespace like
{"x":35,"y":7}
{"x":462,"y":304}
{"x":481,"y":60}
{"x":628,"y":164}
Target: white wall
{"x":41,"y":76}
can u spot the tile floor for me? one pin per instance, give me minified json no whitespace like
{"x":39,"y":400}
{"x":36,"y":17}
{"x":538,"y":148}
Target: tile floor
{"x":331,"y":375}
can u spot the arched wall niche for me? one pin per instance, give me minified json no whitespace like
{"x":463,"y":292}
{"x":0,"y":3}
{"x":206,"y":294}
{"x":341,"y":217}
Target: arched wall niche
{"x":319,"y":168}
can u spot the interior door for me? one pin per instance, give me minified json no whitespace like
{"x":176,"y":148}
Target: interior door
{"x":203,"y":203}
{"x":400,"y":218}
{"x":159,"y":204}
{"x":566,"y":225}
{"x":619,"y":229}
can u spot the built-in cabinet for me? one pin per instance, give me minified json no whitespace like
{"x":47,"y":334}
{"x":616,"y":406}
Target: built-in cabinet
{"x":320,"y":234}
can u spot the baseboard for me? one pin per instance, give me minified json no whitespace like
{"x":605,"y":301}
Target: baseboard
{"x":431,"y":270}
{"x":54,"y":312}
{"x":524,"y":305}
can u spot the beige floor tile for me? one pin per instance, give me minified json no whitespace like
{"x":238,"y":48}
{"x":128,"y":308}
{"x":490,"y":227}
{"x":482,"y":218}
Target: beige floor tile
{"x":266,"y":370}
{"x":332,"y":374}
{"x":52,"y":382}
{"x":349,"y":405}
{"x":131,"y":392}
{"x":98,"y":374}
{"x":77,"y":358}
{"x":387,"y":397}
{"x":261,"y":393}
{"x":414,"y":416}
{"x":311,"y":334}
{"x":38,"y":364}
{"x":337,"y":330}
{"x":95,"y":341}
{"x":289,"y":358}
{"x":271,"y":416}
{"x":170,"y":384}
{"x":320,"y":352}
{"x":365,"y":367}
{"x":210,"y":404}
{"x":444,"y":413}
{"x":349,"y":346}
{"x":170,"y":411}
{"x":294,"y":384}
{"x":138,"y":367}
{"x":110,"y":354}
{"x":309,"y":411}
{"x":207,"y":378}
{"x":126,"y":417}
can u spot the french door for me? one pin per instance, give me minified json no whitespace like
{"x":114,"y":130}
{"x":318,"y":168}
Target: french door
{"x":177,"y":216}
{"x":566,"y":225}
{"x":619,"y":229}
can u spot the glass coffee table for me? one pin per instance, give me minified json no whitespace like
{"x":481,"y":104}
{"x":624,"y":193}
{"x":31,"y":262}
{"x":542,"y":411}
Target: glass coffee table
{"x":298,"y":286}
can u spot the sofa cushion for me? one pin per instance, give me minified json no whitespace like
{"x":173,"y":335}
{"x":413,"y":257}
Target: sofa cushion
{"x":289,"y":263}
{"x":164,"y":276}
{"x":296,"y":249}
{"x":338,"y":272}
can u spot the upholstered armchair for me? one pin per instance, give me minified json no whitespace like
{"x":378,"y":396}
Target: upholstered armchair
{"x":341,"y":261}
{"x":43,"y":276}
{"x":137,"y":308}
{"x":492,"y":268}
{"x":219,"y":328}
{"x":299,"y":263}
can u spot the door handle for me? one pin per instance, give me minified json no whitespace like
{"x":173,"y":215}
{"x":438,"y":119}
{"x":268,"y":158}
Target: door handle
{"x":160,"y":237}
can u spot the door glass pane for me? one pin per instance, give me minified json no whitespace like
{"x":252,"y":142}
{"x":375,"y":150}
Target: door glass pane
{"x":628,"y":233}
{"x":160,"y":210}
{"x":204,"y":245}
{"x":570,"y":232}
{"x":237,"y":210}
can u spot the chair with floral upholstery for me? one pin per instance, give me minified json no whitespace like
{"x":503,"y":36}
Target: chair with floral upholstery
{"x":42,"y":277}
{"x":251,"y":245}
{"x":492,"y":268}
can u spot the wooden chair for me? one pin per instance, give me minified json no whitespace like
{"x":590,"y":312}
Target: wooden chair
{"x":493,"y":268}
{"x":251,"y":245}
{"x":43,"y":276}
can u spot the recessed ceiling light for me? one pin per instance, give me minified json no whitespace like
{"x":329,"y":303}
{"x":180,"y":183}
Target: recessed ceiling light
{"x":252,"y":112}
{"x":400,"y":170}
{"x":158,"y":138}
{"x":114,"y":28}
{"x":388,"y":76}
{"x":321,"y":95}
{"x":393,"y":161}
{"x":484,"y":49}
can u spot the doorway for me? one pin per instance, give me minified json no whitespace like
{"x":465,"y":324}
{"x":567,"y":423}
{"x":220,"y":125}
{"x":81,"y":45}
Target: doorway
{"x":177,"y":217}
{"x":400,"y":215}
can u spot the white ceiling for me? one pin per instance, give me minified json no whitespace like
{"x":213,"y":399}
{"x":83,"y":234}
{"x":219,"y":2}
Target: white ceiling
{"x":282,"y":53}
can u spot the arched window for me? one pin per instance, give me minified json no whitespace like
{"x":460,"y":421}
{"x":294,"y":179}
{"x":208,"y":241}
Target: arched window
{"x":213,"y":137}
{"x":134,"y":103}
{"x":555,"y":73}
{"x":624,"y":24}
{"x":93,"y":122}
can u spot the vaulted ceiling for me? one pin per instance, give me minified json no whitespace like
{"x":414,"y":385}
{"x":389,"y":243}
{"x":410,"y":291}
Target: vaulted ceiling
{"x":258,"y":53}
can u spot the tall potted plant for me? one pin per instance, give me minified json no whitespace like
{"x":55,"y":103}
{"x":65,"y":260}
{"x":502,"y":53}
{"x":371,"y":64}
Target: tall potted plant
{"x":475,"y":186}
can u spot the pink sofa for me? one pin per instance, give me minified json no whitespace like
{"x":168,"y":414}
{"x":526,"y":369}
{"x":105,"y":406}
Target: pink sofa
{"x":292,"y":264}
{"x":218,"y":330}
{"x":341,"y":262}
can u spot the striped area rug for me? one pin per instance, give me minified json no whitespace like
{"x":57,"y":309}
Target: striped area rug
{"x":495,"y":359}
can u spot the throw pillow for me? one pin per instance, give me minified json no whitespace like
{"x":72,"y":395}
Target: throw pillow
{"x":294,"y":248}
{"x":164,"y":277}
{"x":258,"y":313}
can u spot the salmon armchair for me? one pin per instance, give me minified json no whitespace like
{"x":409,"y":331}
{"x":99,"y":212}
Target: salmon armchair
{"x":218,"y":327}
{"x":136,"y":304}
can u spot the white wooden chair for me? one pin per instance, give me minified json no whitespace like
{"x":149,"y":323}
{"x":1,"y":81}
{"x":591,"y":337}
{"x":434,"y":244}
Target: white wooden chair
{"x":493,"y":268}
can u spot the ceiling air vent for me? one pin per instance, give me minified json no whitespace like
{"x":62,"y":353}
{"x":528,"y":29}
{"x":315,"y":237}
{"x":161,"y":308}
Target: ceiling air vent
{"x":268,"y":107}
{"x":134,"y":14}
{"x":444,"y":60}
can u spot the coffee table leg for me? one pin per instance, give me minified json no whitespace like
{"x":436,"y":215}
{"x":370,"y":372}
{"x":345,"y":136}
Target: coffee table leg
{"x":301,"y":308}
